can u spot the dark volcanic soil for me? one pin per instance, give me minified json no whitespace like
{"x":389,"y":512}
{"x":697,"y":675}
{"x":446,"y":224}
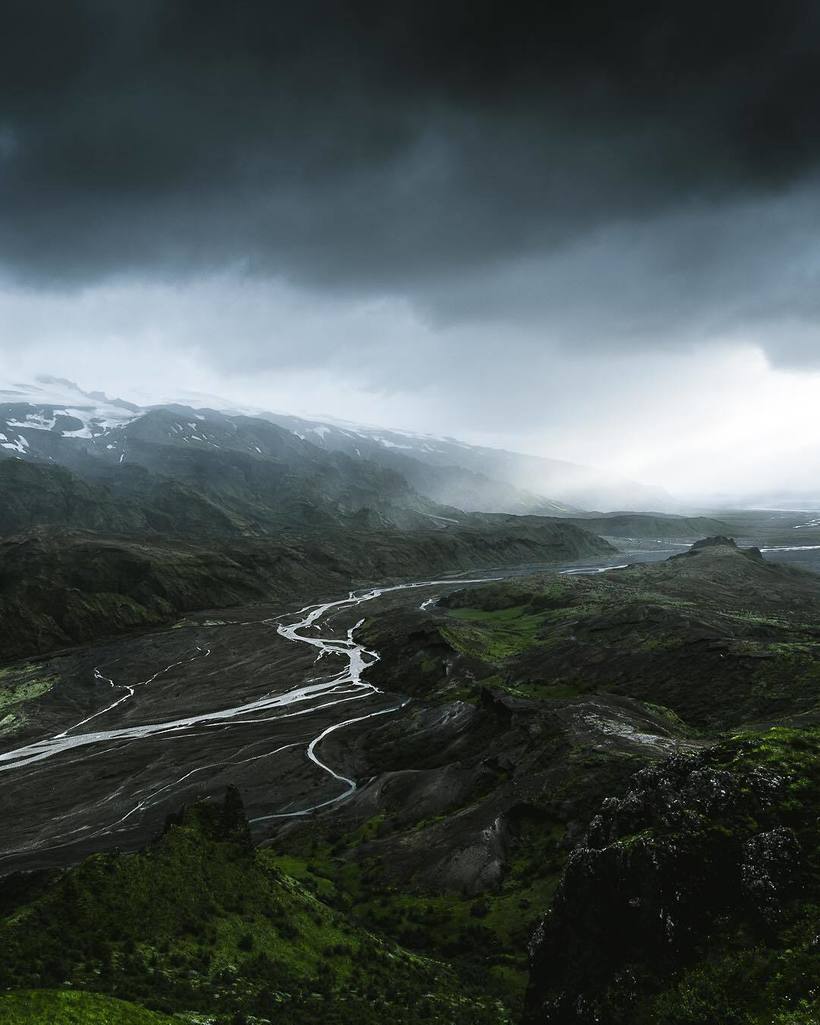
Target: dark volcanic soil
{"x":124,"y":733}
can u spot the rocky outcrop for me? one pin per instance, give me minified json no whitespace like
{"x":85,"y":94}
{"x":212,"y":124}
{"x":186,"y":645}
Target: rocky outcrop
{"x":718,"y":541}
{"x":692,"y":842}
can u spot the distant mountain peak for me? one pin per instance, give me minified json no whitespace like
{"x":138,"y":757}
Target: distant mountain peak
{"x":448,"y":471}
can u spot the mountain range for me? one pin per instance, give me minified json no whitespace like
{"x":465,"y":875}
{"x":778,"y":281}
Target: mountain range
{"x":248,"y":471}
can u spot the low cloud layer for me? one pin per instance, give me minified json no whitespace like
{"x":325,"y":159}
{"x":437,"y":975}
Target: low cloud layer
{"x":418,"y":202}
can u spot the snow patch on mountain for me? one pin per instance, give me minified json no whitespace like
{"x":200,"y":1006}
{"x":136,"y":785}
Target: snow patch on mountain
{"x":49,"y":399}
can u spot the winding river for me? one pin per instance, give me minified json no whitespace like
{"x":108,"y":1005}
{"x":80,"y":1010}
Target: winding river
{"x":316,"y":694}
{"x":112,"y":774}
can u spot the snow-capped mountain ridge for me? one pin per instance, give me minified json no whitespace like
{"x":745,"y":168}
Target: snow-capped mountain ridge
{"x":38,"y":421}
{"x":54,"y":404}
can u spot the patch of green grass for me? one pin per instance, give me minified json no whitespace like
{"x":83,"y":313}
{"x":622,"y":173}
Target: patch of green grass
{"x":655,"y":643}
{"x":22,"y":683}
{"x":538,"y":690}
{"x":301,"y":869}
{"x":494,"y":635}
{"x":485,"y":936}
{"x":755,"y":618}
{"x":794,"y":649}
{"x":10,"y":723}
{"x":489,"y":616}
{"x":746,"y":983}
{"x":671,"y":717}
{"x":791,"y":752}
{"x":62,"y":1007}
{"x":202,"y":920}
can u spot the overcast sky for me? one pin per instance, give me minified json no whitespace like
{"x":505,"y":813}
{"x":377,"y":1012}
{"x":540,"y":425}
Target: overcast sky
{"x":588,"y":231}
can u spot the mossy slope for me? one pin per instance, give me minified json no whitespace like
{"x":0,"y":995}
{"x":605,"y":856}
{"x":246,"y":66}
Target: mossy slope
{"x":202,"y":922}
{"x":695,"y":897}
{"x":664,"y":633}
{"x":64,"y":1007}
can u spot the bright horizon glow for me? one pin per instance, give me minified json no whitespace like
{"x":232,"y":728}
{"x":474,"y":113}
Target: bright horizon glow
{"x":709,"y":421}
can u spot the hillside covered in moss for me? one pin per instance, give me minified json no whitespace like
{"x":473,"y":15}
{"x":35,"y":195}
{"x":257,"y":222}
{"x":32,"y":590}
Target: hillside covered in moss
{"x":202,"y":923}
{"x":74,"y":1007}
{"x":695,"y":896}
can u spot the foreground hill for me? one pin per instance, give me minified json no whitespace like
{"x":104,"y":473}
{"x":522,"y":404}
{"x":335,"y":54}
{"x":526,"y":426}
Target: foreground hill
{"x":69,"y":1007}
{"x":694,"y":897}
{"x":201,"y":922}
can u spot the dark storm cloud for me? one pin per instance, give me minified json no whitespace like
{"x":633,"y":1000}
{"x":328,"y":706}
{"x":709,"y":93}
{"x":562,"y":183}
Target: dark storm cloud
{"x":604,"y":170}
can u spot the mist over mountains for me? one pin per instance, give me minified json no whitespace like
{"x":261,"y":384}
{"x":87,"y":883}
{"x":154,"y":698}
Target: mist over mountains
{"x":245,"y":463}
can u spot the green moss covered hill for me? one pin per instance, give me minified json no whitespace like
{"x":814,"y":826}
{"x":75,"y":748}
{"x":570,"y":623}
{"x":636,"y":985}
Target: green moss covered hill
{"x":695,"y":896}
{"x":719,"y":636}
{"x":67,"y":1007}
{"x":201,"y":923}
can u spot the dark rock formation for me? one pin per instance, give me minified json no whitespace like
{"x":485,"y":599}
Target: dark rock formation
{"x":719,"y":541}
{"x":689,"y":844}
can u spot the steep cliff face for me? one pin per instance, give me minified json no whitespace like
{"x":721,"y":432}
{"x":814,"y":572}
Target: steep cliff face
{"x":702,"y":873}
